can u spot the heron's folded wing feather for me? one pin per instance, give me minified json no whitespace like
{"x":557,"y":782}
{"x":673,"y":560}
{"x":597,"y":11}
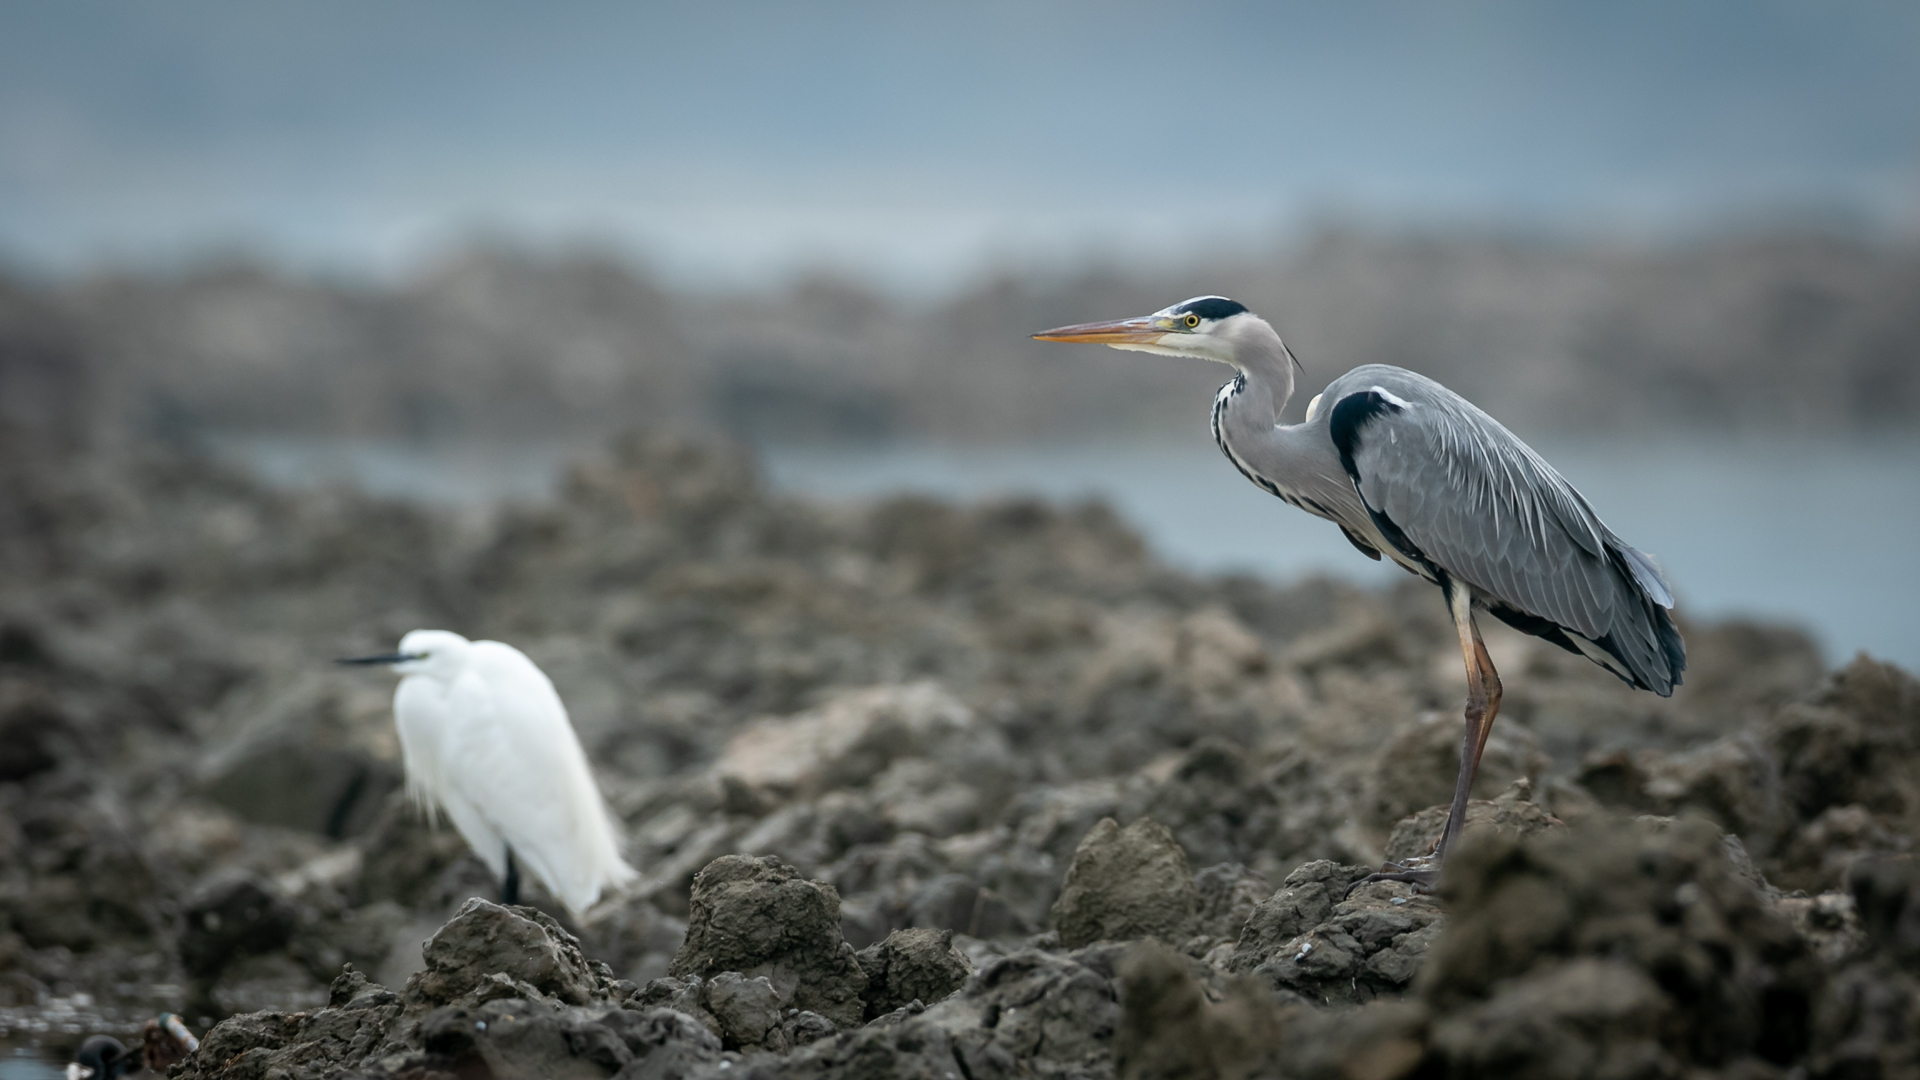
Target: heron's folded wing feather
{"x":1481,"y":505}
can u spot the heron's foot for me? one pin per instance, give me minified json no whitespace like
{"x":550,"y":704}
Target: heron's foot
{"x":1421,"y":873}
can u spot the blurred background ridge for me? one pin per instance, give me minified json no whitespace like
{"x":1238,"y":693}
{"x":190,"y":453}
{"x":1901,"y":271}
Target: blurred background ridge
{"x":436,"y":249}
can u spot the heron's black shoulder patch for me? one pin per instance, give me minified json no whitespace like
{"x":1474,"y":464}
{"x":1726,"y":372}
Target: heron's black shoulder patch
{"x":1349,"y":415}
{"x":1211,"y":307}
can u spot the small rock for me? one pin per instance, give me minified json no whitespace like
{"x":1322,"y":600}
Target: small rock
{"x":912,"y":965}
{"x":484,"y":938}
{"x":1314,"y":940}
{"x":683,"y":996}
{"x":758,"y":916}
{"x":1305,"y":900}
{"x":1126,"y":883}
{"x":648,"y":1030}
{"x":748,"y":1009}
{"x":1053,"y":1011}
{"x":299,"y":765}
{"x":801,"y":1027}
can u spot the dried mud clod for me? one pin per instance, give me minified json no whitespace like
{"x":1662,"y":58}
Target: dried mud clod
{"x":910,"y":966}
{"x":1124,"y":884}
{"x":523,"y":944}
{"x":760,"y":917}
{"x":1636,"y":947}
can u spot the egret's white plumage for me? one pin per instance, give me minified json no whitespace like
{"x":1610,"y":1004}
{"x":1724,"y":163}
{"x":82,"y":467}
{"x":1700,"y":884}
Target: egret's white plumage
{"x":486,"y":741}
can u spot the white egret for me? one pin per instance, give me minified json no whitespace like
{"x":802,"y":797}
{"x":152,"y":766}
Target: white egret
{"x":485,"y":739}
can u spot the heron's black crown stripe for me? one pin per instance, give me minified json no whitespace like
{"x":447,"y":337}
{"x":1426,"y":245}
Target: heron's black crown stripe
{"x":1212,"y":307}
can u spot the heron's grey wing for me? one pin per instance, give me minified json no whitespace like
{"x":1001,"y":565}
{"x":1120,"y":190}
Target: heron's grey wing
{"x":1456,"y":491}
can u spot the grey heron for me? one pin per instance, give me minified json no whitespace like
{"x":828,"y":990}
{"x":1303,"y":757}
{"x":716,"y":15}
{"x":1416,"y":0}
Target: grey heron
{"x":1414,"y":472}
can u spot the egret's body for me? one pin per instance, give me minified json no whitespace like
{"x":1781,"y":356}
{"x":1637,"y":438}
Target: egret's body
{"x":485,"y":740}
{"x":1414,"y":472}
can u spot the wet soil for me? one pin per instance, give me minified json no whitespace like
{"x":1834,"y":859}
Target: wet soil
{"x":916,"y":789}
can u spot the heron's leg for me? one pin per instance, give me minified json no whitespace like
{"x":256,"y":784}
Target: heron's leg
{"x":1483,"y":701}
{"x":1493,"y":691}
{"x":510,"y":888}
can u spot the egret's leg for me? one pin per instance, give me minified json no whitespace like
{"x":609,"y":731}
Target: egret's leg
{"x":510,"y":888}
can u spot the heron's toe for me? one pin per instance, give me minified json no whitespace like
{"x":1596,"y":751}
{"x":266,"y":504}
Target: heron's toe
{"x":1422,"y":873}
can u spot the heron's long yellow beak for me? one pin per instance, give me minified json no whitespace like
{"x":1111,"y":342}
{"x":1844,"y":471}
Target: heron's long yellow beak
{"x":1146,"y":330}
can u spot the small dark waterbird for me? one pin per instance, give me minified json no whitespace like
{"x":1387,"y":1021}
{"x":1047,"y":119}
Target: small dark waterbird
{"x":1414,"y":472}
{"x":164,"y":1040}
{"x":102,"y":1057}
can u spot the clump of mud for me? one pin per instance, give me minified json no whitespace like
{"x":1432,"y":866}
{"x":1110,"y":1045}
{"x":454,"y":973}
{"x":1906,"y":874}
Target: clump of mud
{"x":915,"y":789}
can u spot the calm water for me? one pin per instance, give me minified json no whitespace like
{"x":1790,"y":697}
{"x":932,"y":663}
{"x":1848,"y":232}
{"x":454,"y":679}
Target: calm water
{"x":1825,"y":534}
{"x":30,"y":1063}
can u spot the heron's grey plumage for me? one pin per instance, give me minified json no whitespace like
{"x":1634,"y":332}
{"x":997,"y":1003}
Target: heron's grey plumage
{"x":1413,"y":471}
{"x":1421,"y":475}
{"x":1457,"y":491}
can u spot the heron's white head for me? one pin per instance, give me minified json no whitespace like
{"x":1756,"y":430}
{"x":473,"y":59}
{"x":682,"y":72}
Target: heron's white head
{"x":1208,"y":327}
{"x":437,"y":653}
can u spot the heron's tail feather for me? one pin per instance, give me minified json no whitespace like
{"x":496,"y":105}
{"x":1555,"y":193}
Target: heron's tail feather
{"x":1644,"y":638}
{"x":1646,"y":574}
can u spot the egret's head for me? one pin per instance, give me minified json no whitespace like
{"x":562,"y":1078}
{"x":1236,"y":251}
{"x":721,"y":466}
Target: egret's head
{"x":423,"y":652}
{"x":1209,"y":327}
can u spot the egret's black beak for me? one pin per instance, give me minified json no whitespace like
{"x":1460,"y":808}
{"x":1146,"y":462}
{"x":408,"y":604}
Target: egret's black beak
{"x":1146,"y":330}
{"x":384,"y":658}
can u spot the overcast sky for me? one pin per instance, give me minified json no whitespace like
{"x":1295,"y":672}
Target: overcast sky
{"x":736,"y":141}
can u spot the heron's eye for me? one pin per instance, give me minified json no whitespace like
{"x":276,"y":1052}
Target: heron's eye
{"x":1192,"y":320}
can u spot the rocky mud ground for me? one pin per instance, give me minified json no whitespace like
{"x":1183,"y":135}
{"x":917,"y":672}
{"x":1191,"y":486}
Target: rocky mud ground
{"x":917,"y":790}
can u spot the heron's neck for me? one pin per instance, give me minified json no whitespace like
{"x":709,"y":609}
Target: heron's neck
{"x":1266,"y":370}
{"x":1297,"y":463}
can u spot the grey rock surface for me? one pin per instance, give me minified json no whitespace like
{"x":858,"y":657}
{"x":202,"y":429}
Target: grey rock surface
{"x":1005,"y":676}
{"x":1634,"y":946}
{"x":1226,"y":895}
{"x":910,"y":966}
{"x":760,"y":917}
{"x":1314,"y":939}
{"x":1126,"y":883}
{"x":525,"y":945}
{"x":748,"y":1010}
